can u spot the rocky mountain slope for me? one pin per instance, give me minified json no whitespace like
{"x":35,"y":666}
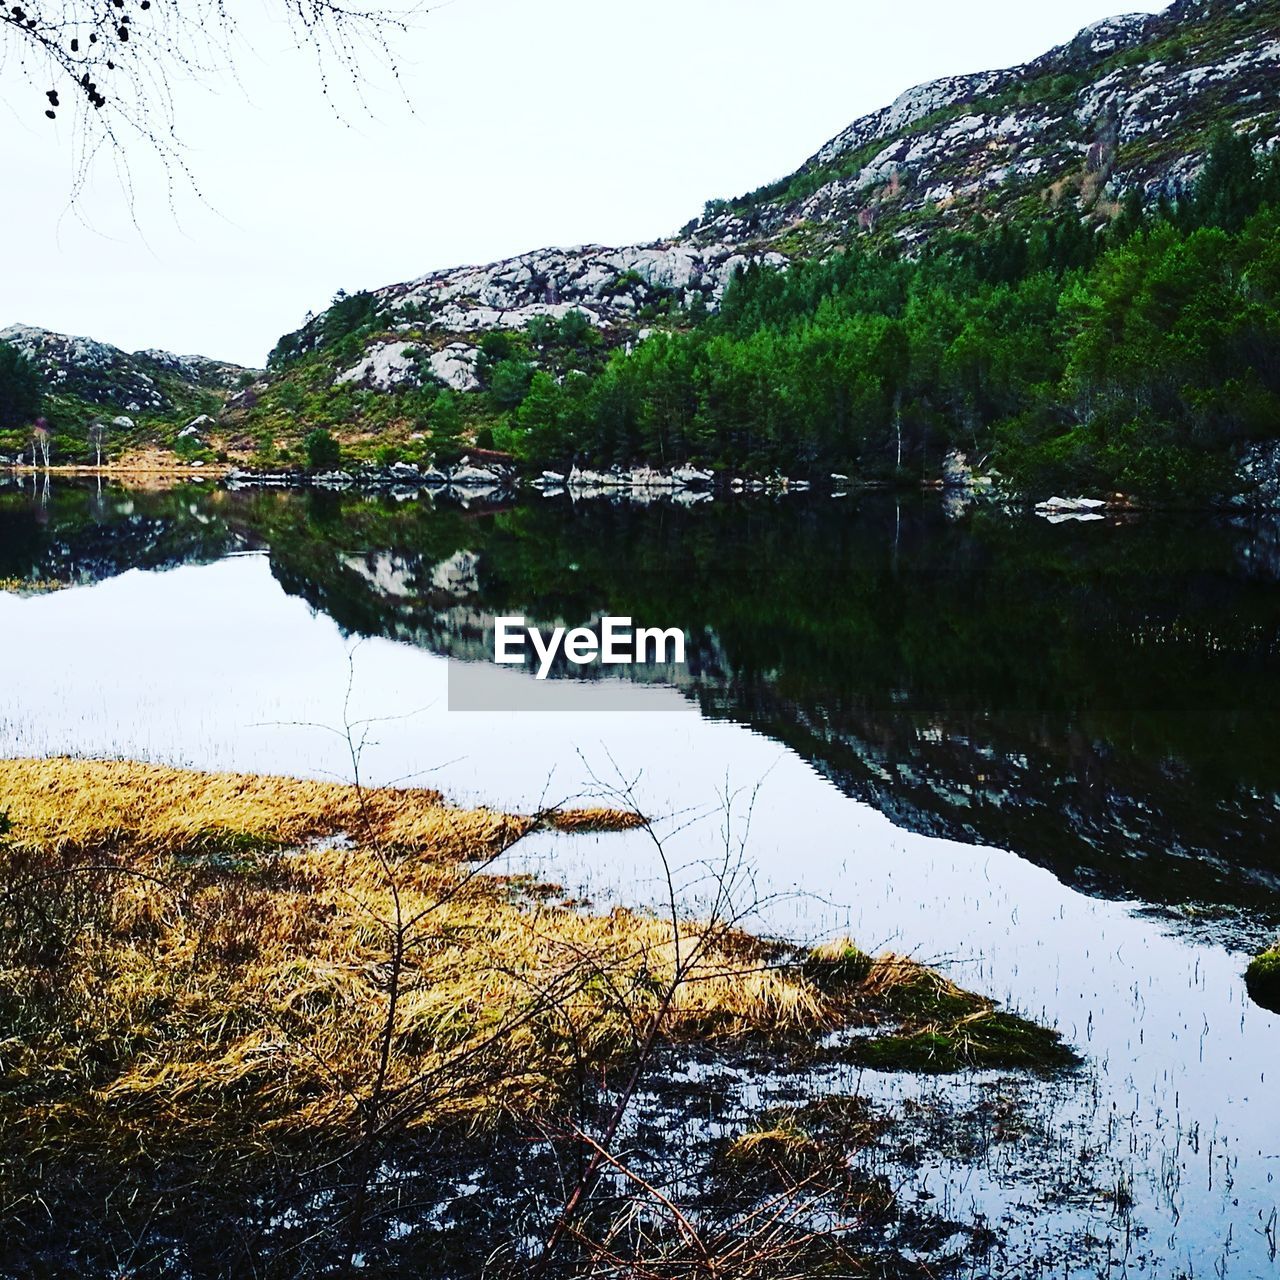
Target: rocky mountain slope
{"x":97,"y":374}
{"x":1129,"y":105}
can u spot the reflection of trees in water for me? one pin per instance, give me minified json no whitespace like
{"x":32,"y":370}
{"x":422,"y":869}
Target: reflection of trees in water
{"x":72,"y":533}
{"x":1096,"y":699}
{"x":1099,"y":700}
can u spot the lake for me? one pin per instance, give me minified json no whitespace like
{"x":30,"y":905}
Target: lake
{"x":1043,"y":755}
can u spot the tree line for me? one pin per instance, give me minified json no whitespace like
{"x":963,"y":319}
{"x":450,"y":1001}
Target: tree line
{"x":1132,"y":356}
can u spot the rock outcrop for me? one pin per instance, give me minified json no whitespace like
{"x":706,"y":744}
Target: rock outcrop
{"x":1129,"y":104}
{"x":608,"y":286}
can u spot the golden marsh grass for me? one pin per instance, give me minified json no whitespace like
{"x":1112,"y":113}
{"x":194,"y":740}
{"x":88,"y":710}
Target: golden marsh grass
{"x":197,"y":959}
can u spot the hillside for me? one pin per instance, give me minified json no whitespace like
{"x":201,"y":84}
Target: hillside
{"x":1129,"y":105}
{"x":146,"y":397}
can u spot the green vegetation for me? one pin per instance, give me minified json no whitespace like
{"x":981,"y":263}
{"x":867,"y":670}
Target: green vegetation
{"x":1130,"y":359}
{"x":1262,"y":979}
{"x":1135,"y":357}
{"x":836,"y":965}
{"x":323,"y":451}
{"x":421,"y":420}
{"x":19,"y":388}
{"x":944,"y":1029}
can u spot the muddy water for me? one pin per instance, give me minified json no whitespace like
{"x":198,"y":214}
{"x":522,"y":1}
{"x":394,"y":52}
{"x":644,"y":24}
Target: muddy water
{"x":1086,"y":831}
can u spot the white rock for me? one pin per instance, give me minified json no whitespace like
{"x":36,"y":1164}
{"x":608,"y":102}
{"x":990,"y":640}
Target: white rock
{"x":1070,"y":504}
{"x":385,"y":366}
{"x":455,"y":366}
{"x":471,"y":477}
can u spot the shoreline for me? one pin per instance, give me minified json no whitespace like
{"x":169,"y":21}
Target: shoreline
{"x":512,"y":485}
{"x":644,"y":484}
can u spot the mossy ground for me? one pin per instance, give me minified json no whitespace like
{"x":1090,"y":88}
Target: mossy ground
{"x":1262,"y":978}
{"x":925,"y":1023}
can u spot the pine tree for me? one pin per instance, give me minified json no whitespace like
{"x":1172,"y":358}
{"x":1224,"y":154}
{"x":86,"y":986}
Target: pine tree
{"x":20,"y":393}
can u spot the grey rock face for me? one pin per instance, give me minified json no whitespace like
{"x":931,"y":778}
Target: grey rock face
{"x":608,"y":286}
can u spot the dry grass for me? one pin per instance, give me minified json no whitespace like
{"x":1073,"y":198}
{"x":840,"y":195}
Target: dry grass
{"x":240,"y":974}
{"x":62,"y":805}
{"x":783,"y":1145}
{"x":226,"y":998}
{"x":584,"y":821}
{"x":31,"y":586}
{"x":193,"y":962}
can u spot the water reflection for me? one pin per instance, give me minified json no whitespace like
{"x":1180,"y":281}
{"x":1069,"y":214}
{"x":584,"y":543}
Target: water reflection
{"x":1100,"y":700}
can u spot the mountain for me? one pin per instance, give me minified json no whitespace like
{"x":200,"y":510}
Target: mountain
{"x":1128,"y":106}
{"x":95,"y":374}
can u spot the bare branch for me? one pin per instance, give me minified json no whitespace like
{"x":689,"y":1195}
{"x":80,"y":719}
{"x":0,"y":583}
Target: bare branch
{"x":113,"y":67}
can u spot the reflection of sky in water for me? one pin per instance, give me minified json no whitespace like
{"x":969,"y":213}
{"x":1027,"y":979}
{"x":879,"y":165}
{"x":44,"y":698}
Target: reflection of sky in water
{"x":216,"y":667}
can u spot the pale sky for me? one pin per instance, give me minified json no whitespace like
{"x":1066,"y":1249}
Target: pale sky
{"x":533,"y":123}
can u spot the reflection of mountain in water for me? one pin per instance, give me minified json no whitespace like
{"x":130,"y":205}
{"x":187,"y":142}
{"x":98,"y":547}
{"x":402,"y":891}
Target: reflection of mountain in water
{"x":1100,"y":700}
{"x":60,"y":533}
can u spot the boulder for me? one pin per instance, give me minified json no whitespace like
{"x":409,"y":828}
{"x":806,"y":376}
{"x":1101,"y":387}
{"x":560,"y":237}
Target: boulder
{"x":455,"y":366}
{"x":384,"y":367}
{"x":466,"y":477}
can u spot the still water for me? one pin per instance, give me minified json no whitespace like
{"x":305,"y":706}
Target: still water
{"x":1043,"y":756}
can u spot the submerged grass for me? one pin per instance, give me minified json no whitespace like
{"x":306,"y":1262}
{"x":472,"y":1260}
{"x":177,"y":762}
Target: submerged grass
{"x":943,"y":1028}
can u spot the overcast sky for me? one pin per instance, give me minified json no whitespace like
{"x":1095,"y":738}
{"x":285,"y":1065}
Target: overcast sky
{"x":533,"y":123}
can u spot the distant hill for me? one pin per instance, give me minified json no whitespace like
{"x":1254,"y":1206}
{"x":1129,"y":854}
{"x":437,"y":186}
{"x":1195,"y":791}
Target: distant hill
{"x":148,"y":383}
{"x":966,"y":269}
